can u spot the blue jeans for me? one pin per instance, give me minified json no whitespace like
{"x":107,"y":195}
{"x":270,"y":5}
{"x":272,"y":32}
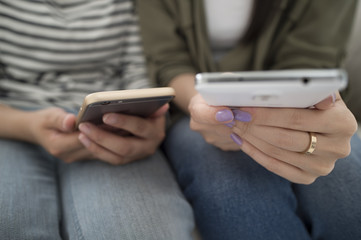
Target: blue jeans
{"x":44,"y":198}
{"x":233,"y":197}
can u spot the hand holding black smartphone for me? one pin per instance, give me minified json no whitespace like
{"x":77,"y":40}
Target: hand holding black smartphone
{"x":139,"y":102}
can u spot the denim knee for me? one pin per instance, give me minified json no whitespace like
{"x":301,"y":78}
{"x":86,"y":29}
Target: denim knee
{"x":28,"y":196}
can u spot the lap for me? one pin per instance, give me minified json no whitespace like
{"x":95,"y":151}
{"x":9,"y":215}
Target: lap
{"x":332,"y":202}
{"x":90,"y":200}
{"x":232,"y":191}
{"x":140,"y":200}
{"x":28,"y":197}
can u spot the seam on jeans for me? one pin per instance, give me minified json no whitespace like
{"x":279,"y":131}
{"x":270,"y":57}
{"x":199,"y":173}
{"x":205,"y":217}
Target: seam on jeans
{"x":79,"y":232}
{"x":74,"y":216}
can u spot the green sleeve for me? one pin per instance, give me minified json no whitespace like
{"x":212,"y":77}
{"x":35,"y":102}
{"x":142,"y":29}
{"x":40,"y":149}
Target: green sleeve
{"x":166,"y":52}
{"x":316,"y":36}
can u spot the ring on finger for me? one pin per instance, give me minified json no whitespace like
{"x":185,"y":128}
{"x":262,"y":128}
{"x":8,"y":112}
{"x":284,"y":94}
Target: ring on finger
{"x":312,"y":146}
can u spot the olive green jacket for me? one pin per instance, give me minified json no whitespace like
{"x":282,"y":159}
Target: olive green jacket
{"x":303,"y":34}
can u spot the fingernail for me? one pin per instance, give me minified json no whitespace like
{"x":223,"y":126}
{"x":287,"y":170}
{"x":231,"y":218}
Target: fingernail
{"x":224,"y":115}
{"x":83,"y":127}
{"x":236,"y":139}
{"x":110,"y":119}
{"x":84,"y":140}
{"x":231,"y":124}
{"x":242,"y":116}
{"x":65,"y":127}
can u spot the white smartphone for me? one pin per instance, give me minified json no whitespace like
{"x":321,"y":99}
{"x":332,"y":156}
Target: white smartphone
{"x":277,"y":88}
{"x":139,"y":102}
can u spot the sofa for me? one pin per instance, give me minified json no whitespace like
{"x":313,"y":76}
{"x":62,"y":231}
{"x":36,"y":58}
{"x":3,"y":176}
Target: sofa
{"x":353,"y":67}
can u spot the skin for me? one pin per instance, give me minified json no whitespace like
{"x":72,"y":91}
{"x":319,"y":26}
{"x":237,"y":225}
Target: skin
{"x":53,"y":129}
{"x":275,"y":138}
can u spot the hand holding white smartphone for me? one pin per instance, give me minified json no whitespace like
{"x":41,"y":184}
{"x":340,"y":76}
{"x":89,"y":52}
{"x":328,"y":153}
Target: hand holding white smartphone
{"x":277,"y":88}
{"x":139,"y":102}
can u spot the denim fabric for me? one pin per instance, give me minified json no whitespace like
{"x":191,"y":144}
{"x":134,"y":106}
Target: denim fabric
{"x":43,"y":198}
{"x":236,"y":198}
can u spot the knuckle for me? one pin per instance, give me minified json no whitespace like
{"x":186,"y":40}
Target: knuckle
{"x":194,"y":125}
{"x":125,"y":149}
{"x":348,"y":125}
{"x":308,"y":180}
{"x":352,"y":125}
{"x":209,"y":139}
{"x":341,"y":150}
{"x":160,"y":135}
{"x":55,"y":151}
{"x":326,"y":169}
{"x":345,"y":150}
{"x":304,"y":178}
{"x":241,"y":129}
{"x":150,"y":151}
{"x":118,"y":161}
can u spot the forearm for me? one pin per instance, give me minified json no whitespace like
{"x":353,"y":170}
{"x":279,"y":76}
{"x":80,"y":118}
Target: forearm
{"x":14,"y":124}
{"x":184,"y":87}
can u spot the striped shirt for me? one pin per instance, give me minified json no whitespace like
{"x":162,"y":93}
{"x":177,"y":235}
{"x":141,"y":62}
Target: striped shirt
{"x":54,"y":52}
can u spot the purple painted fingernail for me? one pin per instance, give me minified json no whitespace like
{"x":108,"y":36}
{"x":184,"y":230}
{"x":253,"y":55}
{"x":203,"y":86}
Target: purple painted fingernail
{"x":242,"y":116}
{"x":236,"y":139}
{"x":231,"y":124}
{"x":224,"y":115}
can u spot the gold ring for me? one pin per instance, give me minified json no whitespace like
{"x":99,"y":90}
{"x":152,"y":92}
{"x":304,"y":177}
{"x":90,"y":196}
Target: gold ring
{"x":312,"y":146}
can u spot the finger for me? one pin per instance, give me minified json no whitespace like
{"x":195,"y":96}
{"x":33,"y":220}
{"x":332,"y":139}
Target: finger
{"x":314,"y":164}
{"x":161,"y":111}
{"x":60,"y":120}
{"x":69,"y":122}
{"x":203,"y":113}
{"x":283,"y":169}
{"x":308,"y":120}
{"x":107,"y":141}
{"x":287,"y":139}
{"x":100,"y":152}
{"x":138,"y":126}
{"x":58,"y":143}
{"x":327,"y":102}
{"x":216,"y":135}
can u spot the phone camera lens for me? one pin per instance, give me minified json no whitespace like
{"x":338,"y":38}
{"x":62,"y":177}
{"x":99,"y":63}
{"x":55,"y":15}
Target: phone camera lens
{"x":305,"y":81}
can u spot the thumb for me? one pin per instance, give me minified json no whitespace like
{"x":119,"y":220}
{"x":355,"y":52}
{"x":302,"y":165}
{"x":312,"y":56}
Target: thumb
{"x":161,"y":111}
{"x":327,"y":103}
{"x":201,"y":112}
{"x":68,"y":124}
{"x":60,"y":120}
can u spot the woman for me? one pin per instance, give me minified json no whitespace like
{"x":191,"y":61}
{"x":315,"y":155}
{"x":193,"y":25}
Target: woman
{"x":245,"y":171}
{"x":52,"y":54}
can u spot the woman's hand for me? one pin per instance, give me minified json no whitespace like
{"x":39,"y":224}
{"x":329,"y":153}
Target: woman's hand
{"x":53,"y":129}
{"x":145,"y":136}
{"x":213,"y":123}
{"x":278,"y":138}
